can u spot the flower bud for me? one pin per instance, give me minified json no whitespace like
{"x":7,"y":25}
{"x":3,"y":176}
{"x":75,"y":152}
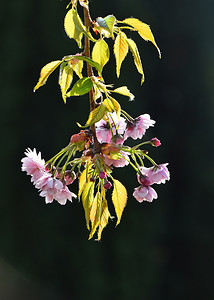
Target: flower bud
{"x":143,"y":179}
{"x":92,"y":179}
{"x":107,"y":185}
{"x":102,"y":175}
{"x":155,"y":142}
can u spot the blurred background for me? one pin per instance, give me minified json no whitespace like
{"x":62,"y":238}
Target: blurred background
{"x":161,"y":250}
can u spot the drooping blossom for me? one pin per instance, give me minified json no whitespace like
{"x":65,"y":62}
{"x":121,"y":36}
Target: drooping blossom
{"x":145,"y":193}
{"x":54,"y":189}
{"x":137,"y":128}
{"x":33,"y":164}
{"x":119,"y":163}
{"x":157,"y":174}
{"x":103,"y":130}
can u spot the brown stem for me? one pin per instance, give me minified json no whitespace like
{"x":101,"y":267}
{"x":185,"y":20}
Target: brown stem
{"x":88,"y":21}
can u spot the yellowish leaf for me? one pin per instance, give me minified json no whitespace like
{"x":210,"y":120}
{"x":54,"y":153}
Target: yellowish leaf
{"x":123,"y":90}
{"x":73,"y":26}
{"x":112,"y":105}
{"x":46,"y":72}
{"x":100,"y":52}
{"x":104,"y":219}
{"x":84,"y":177}
{"x":95,"y":214}
{"x":78,"y":68}
{"x":87,"y":200}
{"x":97,"y":114}
{"x":120,"y":50}
{"x":119,"y":198}
{"x":110,"y":21}
{"x":136,"y":55}
{"x":65,"y":79}
{"x":143,"y":30}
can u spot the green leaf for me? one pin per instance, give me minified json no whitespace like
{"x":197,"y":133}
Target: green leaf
{"x":100,"y":53}
{"x":95,"y":213}
{"x":110,"y":21}
{"x":84,"y":177}
{"x":46,"y":72}
{"x":87,"y":200}
{"x":97,"y":114}
{"x":119,"y":199}
{"x":112,"y":105}
{"x":136,"y":55}
{"x":87,"y":59}
{"x":65,"y":78}
{"x":120,"y":50}
{"x":81,"y":87}
{"x":78,"y":68}
{"x":75,"y":28}
{"x":123,"y":90}
{"x":143,"y":30}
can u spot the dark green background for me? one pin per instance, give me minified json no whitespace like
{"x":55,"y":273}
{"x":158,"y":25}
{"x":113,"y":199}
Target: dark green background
{"x":161,"y":250}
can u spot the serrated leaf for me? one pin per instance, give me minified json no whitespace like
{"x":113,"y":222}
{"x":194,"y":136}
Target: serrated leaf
{"x":87,"y":200}
{"x":120,"y":50}
{"x":46,"y":72}
{"x":75,"y":28}
{"x":87,"y":59}
{"x":136,"y":55}
{"x":123,"y":90}
{"x":100,"y":53}
{"x":65,"y":79}
{"x":112,"y":105}
{"x":97,"y":114}
{"x":110,"y":21}
{"x":119,"y":198}
{"x":84,"y":177}
{"x":143,"y":30}
{"x":78,"y":68}
{"x":81,"y":87}
{"x":103,"y":220}
{"x":95,"y":213}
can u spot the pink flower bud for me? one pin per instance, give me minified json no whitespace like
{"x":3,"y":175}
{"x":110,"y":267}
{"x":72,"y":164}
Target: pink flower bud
{"x":92,"y":179}
{"x":143,"y":180}
{"x":102,"y":175}
{"x":107,"y":185}
{"x":155,"y":142}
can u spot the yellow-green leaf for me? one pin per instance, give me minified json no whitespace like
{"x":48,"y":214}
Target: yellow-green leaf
{"x":104,"y":219}
{"x":97,"y":114}
{"x":46,"y":72}
{"x":95,"y":213}
{"x":100,"y":52}
{"x":120,"y":50}
{"x":112,"y":105}
{"x":110,"y":21}
{"x":65,"y":79}
{"x":73,"y":26}
{"x":81,"y":87}
{"x":136,"y":55}
{"x":87,"y":200}
{"x":84,"y":177}
{"x":143,"y":30}
{"x":78,"y":68}
{"x":119,"y":198}
{"x":123,"y":90}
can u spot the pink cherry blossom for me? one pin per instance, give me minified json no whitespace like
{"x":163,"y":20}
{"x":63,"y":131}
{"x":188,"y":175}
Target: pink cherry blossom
{"x":119,"y":163}
{"x":55,"y":190}
{"x":158,"y":174}
{"x":145,"y":193}
{"x":33,"y":164}
{"x":137,"y":128}
{"x":103,"y":130}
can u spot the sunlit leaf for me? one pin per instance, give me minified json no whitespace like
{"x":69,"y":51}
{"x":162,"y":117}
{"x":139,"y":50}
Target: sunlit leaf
{"x":123,"y":90}
{"x":95,"y":213}
{"x":105,"y":215}
{"x":87,"y":59}
{"x":81,"y":87}
{"x":100,"y":53}
{"x":110,"y":21}
{"x":119,"y":198}
{"x":143,"y":30}
{"x":136,"y":56}
{"x":87,"y":200}
{"x":97,"y":114}
{"x":84,"y":177}
{"x":65,"y":78}
{"x":78,"y":68}
{"x":112,"y":105}
{"x":120,"y":50}
{"x":46,"y":72}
